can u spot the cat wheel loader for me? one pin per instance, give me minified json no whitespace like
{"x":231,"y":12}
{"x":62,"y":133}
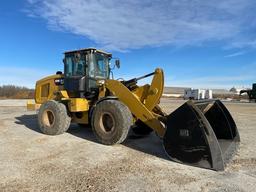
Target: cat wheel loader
{"x":198,"y":133}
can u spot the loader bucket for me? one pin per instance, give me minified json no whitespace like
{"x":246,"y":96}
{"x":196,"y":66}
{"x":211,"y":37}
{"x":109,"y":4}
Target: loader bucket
{"x":202,"y":134}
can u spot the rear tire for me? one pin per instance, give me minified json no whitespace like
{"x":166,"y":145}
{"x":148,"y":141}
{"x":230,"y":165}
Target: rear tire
{"x":53,"y":118}
{"x":111,"y":121}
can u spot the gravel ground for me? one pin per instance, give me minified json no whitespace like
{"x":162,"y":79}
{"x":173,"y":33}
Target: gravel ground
{"x":74,"y":161}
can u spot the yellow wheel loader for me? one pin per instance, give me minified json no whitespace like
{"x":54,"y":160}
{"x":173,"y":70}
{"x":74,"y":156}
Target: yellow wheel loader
{"x":201,"y":133}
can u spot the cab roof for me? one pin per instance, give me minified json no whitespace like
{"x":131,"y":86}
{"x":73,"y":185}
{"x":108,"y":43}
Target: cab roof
{"x":89,"y":49}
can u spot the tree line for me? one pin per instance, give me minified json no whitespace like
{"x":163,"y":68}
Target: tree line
{"x":15,"y":92}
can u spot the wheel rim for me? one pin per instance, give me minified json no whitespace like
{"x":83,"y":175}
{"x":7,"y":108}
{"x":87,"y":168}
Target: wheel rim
{"x":48,"y":118}
{"x":107,"y":122}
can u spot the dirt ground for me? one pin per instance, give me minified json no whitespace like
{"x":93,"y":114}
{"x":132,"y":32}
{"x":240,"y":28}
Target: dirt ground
{"x":74,"y":161}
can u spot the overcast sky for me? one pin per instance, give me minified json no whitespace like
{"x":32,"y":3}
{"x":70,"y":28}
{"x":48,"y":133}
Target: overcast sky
{"x":198,"y":43}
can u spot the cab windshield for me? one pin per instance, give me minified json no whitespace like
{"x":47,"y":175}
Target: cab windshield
{"x":99,"y":66}
{"x":93,"y":65}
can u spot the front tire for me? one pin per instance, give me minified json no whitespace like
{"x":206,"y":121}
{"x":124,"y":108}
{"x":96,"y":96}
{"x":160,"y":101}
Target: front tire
{"x":111,"y":121}
{"x":53,"y":118}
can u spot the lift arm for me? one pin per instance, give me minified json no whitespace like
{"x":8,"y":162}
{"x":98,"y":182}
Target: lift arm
{"x":139,"y":109}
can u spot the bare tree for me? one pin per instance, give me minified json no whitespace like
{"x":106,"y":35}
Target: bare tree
{"x":16,"y":92}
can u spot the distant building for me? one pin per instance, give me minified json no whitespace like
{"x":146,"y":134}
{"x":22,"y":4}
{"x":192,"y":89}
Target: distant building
{"x":174,"y":91}
{"x":179,"y":92}
{"x":208,"y":94}
{"x":197,"y":94}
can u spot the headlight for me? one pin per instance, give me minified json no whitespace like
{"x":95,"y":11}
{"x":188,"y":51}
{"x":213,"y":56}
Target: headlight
{"x":59,"y":81}
{"x":101,"y":82}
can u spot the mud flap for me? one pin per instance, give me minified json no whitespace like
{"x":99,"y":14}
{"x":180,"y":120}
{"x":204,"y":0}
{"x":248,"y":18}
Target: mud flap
{"x":202,"y":134}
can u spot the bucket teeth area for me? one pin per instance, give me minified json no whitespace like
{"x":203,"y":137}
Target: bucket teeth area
{"x":201,"y":134}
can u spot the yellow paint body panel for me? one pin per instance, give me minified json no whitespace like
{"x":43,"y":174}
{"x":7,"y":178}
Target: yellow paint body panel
{"x":78,"y":104}
{"x":137,"y":108}
{"x":31,"y":106}
{"x":156,"y":90}
{"x":102,"y":92}
{"x":64,"y":94}
{"x":46,"y":89}
{"x":142,"y":92}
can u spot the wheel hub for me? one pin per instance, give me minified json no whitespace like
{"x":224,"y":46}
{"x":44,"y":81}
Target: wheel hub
{"x":48,"y":118}
{"x":107,"y":122}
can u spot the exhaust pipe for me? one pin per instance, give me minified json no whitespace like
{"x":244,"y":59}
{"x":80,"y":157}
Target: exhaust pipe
{"x":202,"y":134}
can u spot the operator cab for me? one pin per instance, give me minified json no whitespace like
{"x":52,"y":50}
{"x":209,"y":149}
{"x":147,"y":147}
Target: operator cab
{"x":82,"y":69}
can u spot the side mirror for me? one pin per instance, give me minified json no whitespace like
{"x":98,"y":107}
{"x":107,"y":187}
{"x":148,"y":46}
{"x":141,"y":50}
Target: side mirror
{"x":117,"y":63}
